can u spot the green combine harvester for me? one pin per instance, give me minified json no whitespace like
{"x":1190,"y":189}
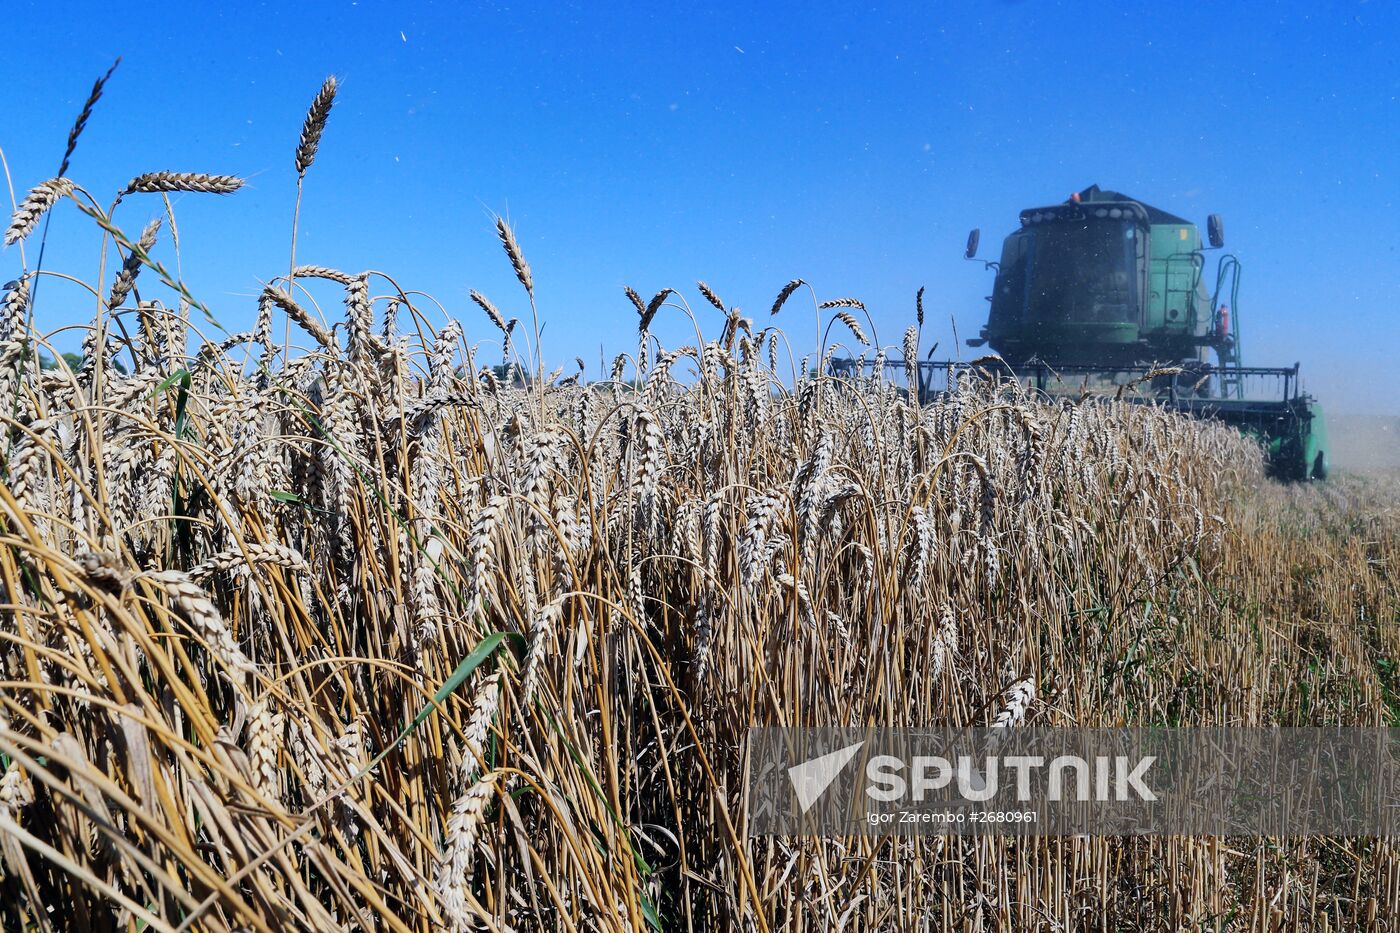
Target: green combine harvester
{"x":1104,"y":289}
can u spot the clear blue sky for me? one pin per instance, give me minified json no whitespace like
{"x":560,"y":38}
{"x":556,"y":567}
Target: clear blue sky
{"x":848,"y":144}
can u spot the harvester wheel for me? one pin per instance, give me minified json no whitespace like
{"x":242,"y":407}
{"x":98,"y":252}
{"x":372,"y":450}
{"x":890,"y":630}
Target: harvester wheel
{"x":1319,"y":466}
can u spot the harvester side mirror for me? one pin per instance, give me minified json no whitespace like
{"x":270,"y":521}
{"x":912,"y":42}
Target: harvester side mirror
{"x":1215,"y":229}
{"x":973,"y":239}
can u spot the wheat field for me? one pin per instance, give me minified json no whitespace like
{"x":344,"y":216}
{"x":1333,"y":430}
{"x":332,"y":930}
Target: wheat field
{"x":348,"y":622}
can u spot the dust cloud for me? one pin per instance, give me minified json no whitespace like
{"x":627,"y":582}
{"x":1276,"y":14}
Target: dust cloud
{"x":1364,"y":442}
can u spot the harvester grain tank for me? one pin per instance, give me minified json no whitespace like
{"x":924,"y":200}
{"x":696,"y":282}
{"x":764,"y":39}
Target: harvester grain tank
{"x":1104,"y":287}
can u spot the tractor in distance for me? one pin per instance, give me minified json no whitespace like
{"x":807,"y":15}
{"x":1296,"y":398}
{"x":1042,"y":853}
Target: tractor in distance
{"x":1104,"y":288}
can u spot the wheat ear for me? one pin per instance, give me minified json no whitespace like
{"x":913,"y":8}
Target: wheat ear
{"x":315,"y":125}
{"x":158,"y":182}
{"x":35,"y":204}
{"x":517,"y":258}
{"x":785,"y":294}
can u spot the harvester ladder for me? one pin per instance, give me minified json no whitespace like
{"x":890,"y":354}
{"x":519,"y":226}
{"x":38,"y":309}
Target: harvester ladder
{"x":1228,"y":272}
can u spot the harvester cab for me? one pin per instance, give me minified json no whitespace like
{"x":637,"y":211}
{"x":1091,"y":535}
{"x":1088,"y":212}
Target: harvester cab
{"x":1105,"y":280}
{"x":1106,"y":288}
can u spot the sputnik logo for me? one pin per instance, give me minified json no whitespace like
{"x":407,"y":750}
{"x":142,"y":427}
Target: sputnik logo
{"x":811,"y":778}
